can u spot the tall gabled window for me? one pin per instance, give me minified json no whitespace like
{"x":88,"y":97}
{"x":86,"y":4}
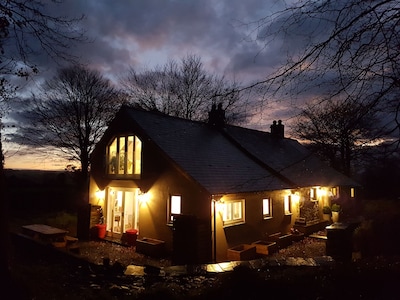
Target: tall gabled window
{"x":124,"y":155}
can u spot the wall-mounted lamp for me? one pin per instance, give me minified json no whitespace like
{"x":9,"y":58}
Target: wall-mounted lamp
{"x":322,"y":192}
{"x":295,"y":197}
{"x":143,"y":197}
{"x":99,"y":196}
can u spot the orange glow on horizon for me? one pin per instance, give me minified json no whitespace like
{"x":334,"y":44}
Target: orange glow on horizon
{"x":35,"y":162}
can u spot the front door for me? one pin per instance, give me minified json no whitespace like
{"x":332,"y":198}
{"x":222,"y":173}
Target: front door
{"x":122,"y":210}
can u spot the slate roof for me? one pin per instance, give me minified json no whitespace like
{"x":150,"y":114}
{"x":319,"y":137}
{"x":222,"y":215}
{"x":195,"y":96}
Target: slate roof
{"x":233,"y":159}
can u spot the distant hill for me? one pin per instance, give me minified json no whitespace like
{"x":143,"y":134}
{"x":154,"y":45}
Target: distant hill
{"x":39,"y":189}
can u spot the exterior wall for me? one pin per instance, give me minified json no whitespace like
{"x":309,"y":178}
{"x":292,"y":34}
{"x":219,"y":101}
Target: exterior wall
{"x":159,"y":180}
{"x":255,"y":226}
{"x":154,"y":213}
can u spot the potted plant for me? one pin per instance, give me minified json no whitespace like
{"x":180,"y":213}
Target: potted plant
{"x":101,"y":227}
{"x":327,"y":212}
{"x":335,"y":212}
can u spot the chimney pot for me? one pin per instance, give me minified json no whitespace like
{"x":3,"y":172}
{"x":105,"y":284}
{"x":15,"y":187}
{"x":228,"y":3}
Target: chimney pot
{"x":278,"y":129}
{"x":216,"y":117}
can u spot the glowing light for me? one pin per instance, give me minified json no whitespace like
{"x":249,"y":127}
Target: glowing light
{"x":295,"y":197}
{"x":322,"y":192}
{"x":175,"y":204}
{"x":144,"y":197}
{"x":100,"y":197}
{"x":220,"y":206}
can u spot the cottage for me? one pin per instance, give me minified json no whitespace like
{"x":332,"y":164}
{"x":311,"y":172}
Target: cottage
{"x":202,"y":188}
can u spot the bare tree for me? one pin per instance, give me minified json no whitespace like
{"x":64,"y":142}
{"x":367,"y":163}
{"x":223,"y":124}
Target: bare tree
{"x":341,"y":50}
{"x":184,"y":89}
{"x":338,"y":131}
{"x":70,"y":114}
{"x":25,"y":31}
{"x":28,"y":31}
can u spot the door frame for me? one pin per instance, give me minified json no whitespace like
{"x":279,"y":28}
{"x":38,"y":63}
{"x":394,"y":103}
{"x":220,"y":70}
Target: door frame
{"x":110,"y":216}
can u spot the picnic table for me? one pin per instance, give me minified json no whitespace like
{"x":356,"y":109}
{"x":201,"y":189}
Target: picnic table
{"x":46,"y":233}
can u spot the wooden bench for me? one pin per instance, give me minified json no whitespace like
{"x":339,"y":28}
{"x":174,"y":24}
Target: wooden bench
{"x":46,"y":234}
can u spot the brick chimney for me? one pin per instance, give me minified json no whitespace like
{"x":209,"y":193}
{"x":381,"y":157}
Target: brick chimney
{"x":278,"y":129}
{"x":216,"y":117}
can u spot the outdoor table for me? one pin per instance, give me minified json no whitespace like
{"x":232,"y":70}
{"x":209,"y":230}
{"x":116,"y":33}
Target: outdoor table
{"x":45,"y":233}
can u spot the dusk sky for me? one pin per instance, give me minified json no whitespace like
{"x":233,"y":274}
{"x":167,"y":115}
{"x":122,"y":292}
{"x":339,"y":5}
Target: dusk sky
{"x":144,"y":34}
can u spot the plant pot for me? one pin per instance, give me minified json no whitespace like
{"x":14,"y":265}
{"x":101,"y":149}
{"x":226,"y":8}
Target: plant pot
{"x":101,"y":231}
{"x":335,"y":216}
{"x":326,"y":217}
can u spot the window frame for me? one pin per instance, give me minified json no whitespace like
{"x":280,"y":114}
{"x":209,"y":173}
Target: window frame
{"x":268,"y":215}
{"x":287,"y":205}
{"x":313,"y":194}
{"x":131,"y":153}
{"x":171,"y":206}
{"x":352,"y":192}
{"x":229,"y":207}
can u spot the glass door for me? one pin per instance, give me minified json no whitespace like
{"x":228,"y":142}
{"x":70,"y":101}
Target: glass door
{"x":122,"y":210}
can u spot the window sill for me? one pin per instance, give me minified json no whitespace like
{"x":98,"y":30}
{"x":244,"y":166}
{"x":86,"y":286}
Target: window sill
{"x":233,"y":224}
{"x":267,"y":218}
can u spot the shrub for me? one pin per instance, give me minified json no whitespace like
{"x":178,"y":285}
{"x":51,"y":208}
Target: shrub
{"x":336,"y":207}
{"x":326,"y":210}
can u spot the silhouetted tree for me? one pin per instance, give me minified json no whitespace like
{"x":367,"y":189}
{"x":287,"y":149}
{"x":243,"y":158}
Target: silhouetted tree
{"x":342,"y":50}
{"x":70,"y":114}
{"x":184,"y":89}
{"x":338,"y":131}
{"x":26,"y":32}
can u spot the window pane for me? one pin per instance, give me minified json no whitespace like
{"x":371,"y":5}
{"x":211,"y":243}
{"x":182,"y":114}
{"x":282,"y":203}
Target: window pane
{"x":129,"y":160}
{"x":138,"y":155}
{"x":237,"y":210}
{"x":112,"y":157}
{"x":266,"y":208}
{"x":175,"y":205}
{"x":121,"y":155}
{"x":287,"y":205}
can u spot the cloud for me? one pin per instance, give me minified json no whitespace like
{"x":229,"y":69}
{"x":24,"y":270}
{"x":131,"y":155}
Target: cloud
{"x":145,"y":34}
{"x":148,"y":33}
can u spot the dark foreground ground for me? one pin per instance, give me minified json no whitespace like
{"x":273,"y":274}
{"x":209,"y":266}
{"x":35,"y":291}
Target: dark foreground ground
{"x":48,"y":275}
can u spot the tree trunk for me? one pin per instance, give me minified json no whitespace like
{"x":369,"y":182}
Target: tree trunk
{"x":4,"y":234}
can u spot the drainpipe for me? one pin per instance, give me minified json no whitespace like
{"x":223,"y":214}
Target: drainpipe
{"x":215,"y":228}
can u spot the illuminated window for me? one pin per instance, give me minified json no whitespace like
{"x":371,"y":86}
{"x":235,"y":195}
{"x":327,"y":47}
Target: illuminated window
{"x":352,"y":192}
{"x":313,"y":194}
{"x":267,"y":208}
{"x":174,"y":207}
{"x":233,"y":212}
{"x":124,"y":155}
{"x":335,"y":192}
{"x":287,"y":205}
